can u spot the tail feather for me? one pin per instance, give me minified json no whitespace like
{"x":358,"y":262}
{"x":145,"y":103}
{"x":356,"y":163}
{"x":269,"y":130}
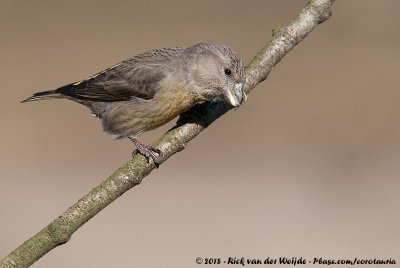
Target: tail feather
{"x":42,"y":96}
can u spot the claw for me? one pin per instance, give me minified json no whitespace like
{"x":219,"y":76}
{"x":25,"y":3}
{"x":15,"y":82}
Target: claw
{"x":154,"y":149}
{"x":147,"y":151}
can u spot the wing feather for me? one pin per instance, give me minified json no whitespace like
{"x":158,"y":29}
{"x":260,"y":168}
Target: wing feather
{"x":118,"y":83}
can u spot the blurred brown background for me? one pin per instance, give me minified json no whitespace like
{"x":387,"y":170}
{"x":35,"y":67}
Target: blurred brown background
{"x":309,"y":166}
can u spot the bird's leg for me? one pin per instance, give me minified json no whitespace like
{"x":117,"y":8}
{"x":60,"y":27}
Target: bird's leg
{"x":146,"y":150}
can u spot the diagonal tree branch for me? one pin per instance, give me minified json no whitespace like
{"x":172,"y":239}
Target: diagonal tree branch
{"x":188,"y":126}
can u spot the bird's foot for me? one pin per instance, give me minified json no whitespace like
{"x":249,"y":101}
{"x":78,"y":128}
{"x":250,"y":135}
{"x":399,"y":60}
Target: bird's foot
{"x":147,"y":151}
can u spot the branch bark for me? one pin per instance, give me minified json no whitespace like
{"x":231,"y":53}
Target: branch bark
{"x":59,"y":231}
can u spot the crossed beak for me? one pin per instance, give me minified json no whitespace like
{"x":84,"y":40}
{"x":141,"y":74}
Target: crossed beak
{"x":235,"y":95}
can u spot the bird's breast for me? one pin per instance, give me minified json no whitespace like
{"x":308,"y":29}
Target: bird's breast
{"x":168,"y":103}
{"x":131,"y":118}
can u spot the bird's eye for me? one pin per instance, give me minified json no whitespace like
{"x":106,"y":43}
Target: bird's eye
{"x":228,"y":71}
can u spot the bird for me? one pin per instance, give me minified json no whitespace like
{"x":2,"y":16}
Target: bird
{"x":150,"y":89}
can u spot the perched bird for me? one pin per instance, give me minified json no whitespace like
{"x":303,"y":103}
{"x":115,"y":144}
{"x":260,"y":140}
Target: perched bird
{"x":150,"y":89}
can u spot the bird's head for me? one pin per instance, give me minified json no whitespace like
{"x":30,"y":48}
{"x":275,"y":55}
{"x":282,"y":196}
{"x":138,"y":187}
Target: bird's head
{"x":217,"y":73}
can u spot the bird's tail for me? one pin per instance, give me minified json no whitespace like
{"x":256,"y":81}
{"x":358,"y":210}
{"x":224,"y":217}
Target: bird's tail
{"x":51,"y":94}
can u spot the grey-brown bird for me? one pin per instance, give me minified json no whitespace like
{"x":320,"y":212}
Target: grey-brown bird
{"x":150,"y":89}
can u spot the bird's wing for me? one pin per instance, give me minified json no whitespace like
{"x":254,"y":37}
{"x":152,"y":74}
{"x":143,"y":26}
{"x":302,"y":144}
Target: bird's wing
{"x":118,"y":83}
